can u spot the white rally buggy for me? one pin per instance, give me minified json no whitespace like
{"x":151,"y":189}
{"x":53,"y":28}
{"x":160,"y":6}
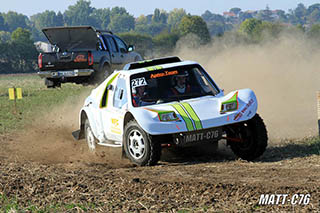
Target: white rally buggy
{"x":166,"y":101}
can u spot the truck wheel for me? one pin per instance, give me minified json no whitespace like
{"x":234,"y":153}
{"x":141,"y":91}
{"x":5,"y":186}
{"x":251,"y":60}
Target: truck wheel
{"x":139,"y":146}
{"x":51,"y":83}
{"x":254,"y":138}
{"x":90,"y":138}
{"x":100,"y":75}
{"x":106,"y":72}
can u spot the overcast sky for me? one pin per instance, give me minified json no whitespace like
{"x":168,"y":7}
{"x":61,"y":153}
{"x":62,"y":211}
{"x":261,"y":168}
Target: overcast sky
{"x":138,"y":7}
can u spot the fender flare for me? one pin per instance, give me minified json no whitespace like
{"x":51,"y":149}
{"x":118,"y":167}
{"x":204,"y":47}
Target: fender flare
{"x":104,"y":61}
{"x":86,"y":113}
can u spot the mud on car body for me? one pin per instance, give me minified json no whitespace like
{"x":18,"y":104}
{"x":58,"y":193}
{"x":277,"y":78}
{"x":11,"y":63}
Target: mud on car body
{"x":164,"y":101}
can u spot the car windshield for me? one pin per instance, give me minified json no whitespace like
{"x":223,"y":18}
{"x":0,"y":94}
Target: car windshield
{"x":172,"y":84}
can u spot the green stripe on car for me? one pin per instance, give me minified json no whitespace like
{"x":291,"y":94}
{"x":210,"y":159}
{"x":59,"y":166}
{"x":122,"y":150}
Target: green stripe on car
{"x":104,"y":99}
{"x":184,"y":116}
{"x":193,"y":115}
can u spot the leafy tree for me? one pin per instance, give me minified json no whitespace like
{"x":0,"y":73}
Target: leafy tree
{"x":159,"y":16}
{"x":165,"y":42}
{"x":80,"y":14}
{"x":195,"y":25}
{"x":314,"y":32}
{"x":142,"y":20}
{"x":121,"y":20}
{"x":300,"y":11}
{"x":282,"y":16}
{"x":47,"y":19}
{"x":235,"y":10}
{"x":4,"y":36}
{"x":143,"y":43}
{"x":208,"y":17}
{"x":103,"y":17}
{"x":151,"y":29}
{"x":14,"y":20}
{"x":314,"y":16}
{"x":3,"y":25}
{"x":216,"y":28}
{"x":121,"y":23}
{"x":174,"y":18}
{"x":23,"y":52}
{"x":251,"y":28}
{"x":244,"y":16}
{"x":118,"y":10}
{"x":257,"y":30}
{"x":21,"y":36}
{"x":265,"y":15}
{"x":313,"y":7}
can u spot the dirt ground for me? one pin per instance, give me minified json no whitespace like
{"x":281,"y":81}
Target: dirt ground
{"x":46,"y":167}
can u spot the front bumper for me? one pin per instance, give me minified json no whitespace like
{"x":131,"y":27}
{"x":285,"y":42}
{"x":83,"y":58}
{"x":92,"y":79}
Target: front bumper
{"x":65,"y":73}
{"x":197,"y":137}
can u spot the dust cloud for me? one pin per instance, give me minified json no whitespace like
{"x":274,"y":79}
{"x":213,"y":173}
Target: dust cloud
{"x":284,"y":73}
{"x":48,"y":140}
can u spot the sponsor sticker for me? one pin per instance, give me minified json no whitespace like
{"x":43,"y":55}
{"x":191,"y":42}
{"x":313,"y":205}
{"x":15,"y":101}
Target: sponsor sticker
{"x":240,"y":114}
{"x":115,"y":126}
{"x":163,"y":74}
{"x":80,"y":58}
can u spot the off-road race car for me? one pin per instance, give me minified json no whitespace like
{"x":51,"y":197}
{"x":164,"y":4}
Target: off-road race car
{"x":169,"y":102}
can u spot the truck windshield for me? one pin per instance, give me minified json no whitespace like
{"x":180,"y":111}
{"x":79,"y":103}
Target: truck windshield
{"x":173,"y":84}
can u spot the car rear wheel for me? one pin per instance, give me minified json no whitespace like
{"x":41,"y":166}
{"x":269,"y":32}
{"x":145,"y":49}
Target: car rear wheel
{"x":139,"y":146}
{"x":90,"y":138}
{"x":252,"y":138}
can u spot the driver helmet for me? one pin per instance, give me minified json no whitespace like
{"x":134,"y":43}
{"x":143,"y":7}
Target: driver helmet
{"x":180,"y":74}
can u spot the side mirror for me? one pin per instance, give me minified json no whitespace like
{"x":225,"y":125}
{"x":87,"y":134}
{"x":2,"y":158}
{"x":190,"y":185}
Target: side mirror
{"x":110,"y":87}
{"x":131,"y":48}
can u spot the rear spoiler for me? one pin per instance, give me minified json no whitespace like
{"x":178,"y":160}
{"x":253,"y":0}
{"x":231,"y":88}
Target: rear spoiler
{"x":153,"y":62}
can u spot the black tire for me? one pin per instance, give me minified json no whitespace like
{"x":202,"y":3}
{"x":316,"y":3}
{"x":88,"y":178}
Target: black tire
{"x":151,"y":152}
{"x":52,"y":83}
{"x":137,"y":58}
{"x":254,"y":135}
{"x":100,"y":75}
{"x":106,"y":71}
{"x":89,"y":136}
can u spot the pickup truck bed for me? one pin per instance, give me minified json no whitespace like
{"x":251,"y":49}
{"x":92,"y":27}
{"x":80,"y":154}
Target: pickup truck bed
{"x":82,"y":55}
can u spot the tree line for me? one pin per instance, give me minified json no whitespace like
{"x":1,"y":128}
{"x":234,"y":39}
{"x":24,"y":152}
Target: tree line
{"x":154,"y":34}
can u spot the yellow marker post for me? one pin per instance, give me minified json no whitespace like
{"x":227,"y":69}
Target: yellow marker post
{"x":11,"y":94}
{"x":14,"y":94}
{"x":19,"y":93}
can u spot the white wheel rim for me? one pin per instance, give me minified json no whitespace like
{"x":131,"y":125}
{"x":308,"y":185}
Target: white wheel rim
{"x":136,"y":144}
{"x":90,"y":139}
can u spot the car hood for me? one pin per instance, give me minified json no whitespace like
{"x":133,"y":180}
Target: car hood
{"x":69,"y":38}
{"x":196,"y":114}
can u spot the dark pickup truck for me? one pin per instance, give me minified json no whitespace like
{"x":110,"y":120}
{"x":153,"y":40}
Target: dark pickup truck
{"x":82,"y":55}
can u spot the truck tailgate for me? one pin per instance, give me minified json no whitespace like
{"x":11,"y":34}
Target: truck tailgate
{"x":65,"y":60}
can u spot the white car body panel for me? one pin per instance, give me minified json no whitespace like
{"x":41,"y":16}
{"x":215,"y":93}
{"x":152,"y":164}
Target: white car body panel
{"x":107,"y":122}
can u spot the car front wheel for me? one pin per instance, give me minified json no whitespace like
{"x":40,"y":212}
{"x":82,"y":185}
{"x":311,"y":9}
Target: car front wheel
{"x":141,"y":148}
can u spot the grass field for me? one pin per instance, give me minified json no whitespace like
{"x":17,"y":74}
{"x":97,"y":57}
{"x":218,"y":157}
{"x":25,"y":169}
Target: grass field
{"x":37,"y":99}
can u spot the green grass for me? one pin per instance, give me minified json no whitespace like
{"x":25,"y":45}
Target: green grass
{"x":12,"y":205}
{"x":37,"y":100}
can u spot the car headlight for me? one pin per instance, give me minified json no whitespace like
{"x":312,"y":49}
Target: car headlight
{"x":168,"y":116}
{"x":230,"y":105}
